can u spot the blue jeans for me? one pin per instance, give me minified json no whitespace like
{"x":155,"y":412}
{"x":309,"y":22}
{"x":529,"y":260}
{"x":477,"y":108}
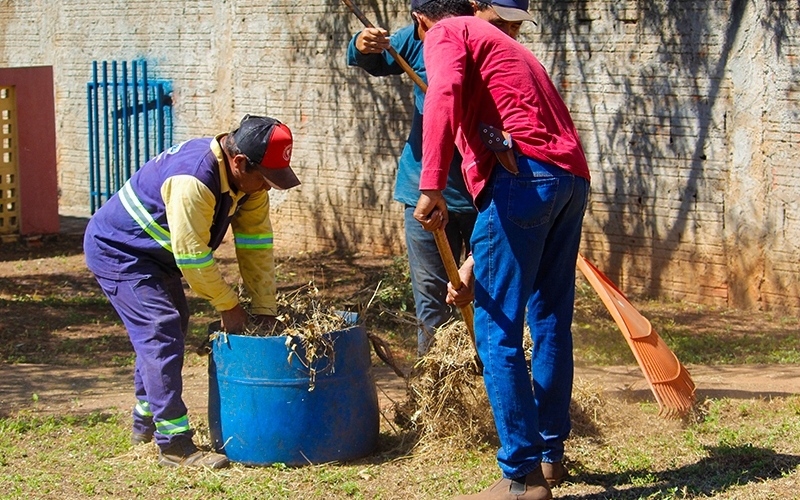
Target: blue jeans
{"x":428,"y":275}
{"x":525,"y":246}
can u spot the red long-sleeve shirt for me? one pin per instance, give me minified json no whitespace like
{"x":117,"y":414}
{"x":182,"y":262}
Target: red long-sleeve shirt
{"x":478,"y":74}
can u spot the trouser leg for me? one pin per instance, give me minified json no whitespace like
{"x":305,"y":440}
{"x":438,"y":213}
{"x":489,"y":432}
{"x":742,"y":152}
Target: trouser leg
{"x":550,"y":312}
{"x":428,"y":281}
{"x":156,"y":315}
{"x":511,"y":242}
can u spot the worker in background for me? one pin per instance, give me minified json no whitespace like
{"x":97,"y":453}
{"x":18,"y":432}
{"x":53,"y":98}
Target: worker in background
{"x":368,"y":50}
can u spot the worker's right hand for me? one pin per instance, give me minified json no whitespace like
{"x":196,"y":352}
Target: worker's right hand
{"x":465,"y":294}
{"x":372,"y":41}
{"x":431,"y":210}
{"x":234,"y":320}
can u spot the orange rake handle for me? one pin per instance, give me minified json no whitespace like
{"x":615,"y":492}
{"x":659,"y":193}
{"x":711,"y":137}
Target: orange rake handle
{"x":630,"y":321}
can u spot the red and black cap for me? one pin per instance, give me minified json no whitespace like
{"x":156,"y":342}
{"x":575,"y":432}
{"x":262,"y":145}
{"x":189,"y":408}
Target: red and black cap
{"x":267,"y":143}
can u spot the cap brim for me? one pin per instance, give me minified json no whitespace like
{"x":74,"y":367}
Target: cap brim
{"x":512,"y":15}
{"x":280,"y":178}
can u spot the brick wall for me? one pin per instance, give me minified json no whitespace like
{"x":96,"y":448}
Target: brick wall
{"x":688,"y":111}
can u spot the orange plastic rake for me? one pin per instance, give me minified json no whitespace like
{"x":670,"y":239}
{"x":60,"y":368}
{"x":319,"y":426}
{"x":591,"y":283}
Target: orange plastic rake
{"x":669,"y":380}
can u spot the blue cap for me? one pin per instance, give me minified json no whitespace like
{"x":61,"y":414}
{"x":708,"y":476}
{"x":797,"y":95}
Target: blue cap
{"x":511,"y":10}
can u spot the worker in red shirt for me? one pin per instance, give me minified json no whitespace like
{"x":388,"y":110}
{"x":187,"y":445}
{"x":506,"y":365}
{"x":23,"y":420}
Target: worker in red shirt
{"x":368,"y":50}
{"x":525,"y":168}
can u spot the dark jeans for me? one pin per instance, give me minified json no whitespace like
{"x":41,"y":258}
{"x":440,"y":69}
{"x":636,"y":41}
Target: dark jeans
{"x":428,"y":275}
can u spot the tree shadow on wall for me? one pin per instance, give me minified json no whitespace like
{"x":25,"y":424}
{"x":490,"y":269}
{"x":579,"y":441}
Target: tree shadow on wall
{"x":370,"y":118}
{"x":660,"y":119}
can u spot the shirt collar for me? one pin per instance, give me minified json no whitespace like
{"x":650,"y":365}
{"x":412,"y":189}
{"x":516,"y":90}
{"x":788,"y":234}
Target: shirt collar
{"x":222,"y":160}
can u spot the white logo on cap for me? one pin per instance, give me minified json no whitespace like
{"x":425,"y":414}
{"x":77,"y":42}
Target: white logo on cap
{"x":287,"y":153}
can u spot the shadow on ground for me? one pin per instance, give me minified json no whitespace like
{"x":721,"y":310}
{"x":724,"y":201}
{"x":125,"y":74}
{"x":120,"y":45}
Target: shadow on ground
{"x":724,"y":468}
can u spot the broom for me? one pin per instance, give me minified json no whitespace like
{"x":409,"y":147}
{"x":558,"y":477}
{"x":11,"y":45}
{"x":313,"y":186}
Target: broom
{"x":669,"y":380}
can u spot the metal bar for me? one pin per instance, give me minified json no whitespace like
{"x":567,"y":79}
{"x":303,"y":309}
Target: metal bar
{"x":91,"y":147}
{"x":135,"y":103}
{"x":105,"y":132}
{"x":171,"y":138}
{"x":126,"y":118}
{"x":160,"y":115}
{"x":96,"y":138}
{"x":145,"y":97}
{"x":115,"y":124}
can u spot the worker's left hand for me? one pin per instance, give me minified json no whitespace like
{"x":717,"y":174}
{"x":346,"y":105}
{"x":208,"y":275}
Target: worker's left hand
{"x":431,"y":210}
{"x":234,"y":320}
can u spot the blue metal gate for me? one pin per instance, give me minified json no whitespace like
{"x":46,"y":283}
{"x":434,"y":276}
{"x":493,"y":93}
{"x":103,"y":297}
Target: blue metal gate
{"x":130,"y":121}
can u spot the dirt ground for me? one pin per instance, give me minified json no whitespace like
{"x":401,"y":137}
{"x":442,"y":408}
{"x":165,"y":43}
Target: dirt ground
{"x":64,"y":383}
{"x":77,"y":390}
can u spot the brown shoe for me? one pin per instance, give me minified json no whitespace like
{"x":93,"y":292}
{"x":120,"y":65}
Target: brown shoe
{"x":555,"y":473}
{"x":138,"y":438}
{"x":184,"y":453}
{"x":534,"y":487}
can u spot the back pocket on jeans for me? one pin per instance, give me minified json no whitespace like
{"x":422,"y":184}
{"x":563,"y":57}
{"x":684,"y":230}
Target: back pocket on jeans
{"x":531,"y":201}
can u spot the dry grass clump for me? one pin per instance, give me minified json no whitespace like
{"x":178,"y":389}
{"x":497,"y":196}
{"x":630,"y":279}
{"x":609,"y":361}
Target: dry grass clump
{"x":588,"y":410}
{"x":307,"y":324}
{"x":447,"y":399}
{"x":446,"y":396}
{"x":301,"y":313}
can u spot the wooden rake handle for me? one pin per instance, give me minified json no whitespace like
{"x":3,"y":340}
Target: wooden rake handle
{"x":402,"y":62}
{"x":452,"y":274}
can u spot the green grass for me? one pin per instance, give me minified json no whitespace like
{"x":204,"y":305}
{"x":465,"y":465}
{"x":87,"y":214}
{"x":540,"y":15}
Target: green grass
{"x":728,"y":449}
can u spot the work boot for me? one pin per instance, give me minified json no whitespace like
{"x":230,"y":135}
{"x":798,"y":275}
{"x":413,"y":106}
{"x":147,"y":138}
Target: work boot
{"x":184,"y":453}
{"x":531,"y":487}
{"x":138,"y":438}
{"x":555,"y":473}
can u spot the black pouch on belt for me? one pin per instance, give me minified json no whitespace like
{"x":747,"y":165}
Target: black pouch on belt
{"x":500,"y":143}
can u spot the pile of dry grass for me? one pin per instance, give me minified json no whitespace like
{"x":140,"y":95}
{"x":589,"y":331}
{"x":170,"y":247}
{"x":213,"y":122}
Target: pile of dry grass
{"x":447,"y":399}
{"x":446,"y":396}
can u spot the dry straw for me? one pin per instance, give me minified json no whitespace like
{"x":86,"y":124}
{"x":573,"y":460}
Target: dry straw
{"x":307,"y":323}
{"x":447,"y":400}
{"x":446,"y":396}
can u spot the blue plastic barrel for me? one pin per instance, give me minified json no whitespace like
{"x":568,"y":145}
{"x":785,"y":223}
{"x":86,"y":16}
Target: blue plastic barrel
{"x":261,"y":411}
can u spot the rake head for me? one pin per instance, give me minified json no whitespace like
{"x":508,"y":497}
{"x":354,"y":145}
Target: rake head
{"x":669,"y":380}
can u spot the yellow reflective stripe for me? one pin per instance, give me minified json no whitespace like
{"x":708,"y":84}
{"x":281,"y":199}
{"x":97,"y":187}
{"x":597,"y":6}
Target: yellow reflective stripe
{"x":142,"y":217}
{"x":253,"y":240}
{"x":199,"y":261}
{"x":143,"y":408}
{"x":175,"y":426}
